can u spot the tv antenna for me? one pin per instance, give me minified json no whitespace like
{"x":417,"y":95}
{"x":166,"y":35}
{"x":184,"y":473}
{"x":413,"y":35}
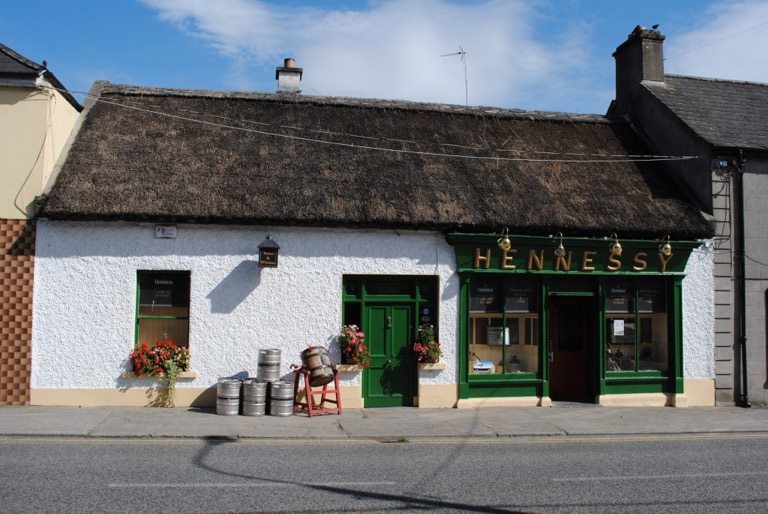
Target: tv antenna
{"x":463,"y":56}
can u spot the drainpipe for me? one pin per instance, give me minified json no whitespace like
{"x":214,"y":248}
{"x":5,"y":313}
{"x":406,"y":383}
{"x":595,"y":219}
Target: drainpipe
{"x":741,"y":279}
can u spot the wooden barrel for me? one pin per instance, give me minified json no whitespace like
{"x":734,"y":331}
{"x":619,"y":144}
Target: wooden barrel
{"x":281,"y":398}
{"x":269,"y":364}
{"x":316,"y":359}
{"x":228,"y":396}
{"x":254,"y":397}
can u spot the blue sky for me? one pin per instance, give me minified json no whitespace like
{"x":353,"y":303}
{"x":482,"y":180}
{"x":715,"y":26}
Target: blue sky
{"x":534,"y":55}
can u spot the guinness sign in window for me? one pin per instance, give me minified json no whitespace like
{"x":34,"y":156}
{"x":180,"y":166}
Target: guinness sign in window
{"x":485,"y":295}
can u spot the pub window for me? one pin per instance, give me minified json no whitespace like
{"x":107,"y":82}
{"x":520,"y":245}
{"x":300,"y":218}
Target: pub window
{"x":163,"y":307}
{"x":503,"y":325}
{"x":652,"y":316}
{"x":636,"y":326}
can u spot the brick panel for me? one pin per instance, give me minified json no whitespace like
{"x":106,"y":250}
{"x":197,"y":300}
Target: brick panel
{"x":17,"y":264}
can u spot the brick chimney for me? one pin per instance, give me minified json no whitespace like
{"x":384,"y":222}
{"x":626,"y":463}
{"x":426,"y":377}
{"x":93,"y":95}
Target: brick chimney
{"x":288,"y":77}
{"x":639,"y":58}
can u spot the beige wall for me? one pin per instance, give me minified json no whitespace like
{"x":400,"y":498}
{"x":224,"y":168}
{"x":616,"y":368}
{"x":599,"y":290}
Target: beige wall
{"x":34,"y":127}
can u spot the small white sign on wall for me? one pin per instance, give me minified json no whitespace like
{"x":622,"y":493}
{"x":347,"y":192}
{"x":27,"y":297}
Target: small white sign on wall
{"x":618,"y":327}
{"x":165,"y":231}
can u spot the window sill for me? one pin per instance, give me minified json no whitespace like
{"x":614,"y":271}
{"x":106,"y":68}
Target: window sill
{"x":349,"y":368}
{"x":432,"y":366}
{"x":184,"y":375}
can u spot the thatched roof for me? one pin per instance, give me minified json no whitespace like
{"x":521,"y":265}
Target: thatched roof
{"x":207,"y":157}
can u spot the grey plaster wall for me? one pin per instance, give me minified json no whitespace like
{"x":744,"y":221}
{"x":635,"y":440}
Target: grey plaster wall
{"x":756,"y":239}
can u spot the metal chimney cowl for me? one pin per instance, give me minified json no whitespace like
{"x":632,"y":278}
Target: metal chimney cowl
{"x":288,"y":77}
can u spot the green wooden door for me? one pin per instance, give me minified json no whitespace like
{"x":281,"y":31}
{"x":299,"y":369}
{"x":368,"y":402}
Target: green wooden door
{"x":390,"y":379}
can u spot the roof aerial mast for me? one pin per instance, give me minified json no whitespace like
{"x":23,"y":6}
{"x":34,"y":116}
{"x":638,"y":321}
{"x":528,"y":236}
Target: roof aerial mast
{"x":463,"y":57}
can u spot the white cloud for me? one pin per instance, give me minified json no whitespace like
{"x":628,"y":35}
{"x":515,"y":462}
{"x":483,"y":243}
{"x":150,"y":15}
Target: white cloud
{"x":730,"y":44}
{"x":393,"y":49}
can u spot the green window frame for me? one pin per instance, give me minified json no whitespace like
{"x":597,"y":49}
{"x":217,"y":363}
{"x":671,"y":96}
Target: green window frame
{"x":640,"y":309}
{"x":504,"y":316}
{"x":162,"y":306}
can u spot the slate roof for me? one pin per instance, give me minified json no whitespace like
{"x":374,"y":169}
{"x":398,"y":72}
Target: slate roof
{"x":18,"y":71}
{"x":724,"y":113}
{"x":248,"y":158}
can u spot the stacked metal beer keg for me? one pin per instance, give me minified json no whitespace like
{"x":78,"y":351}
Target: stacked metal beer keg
{"x":254,"y":397}
{"x":228,"y":396}
{"x":265,"y":388}
{"x":280,"y":392}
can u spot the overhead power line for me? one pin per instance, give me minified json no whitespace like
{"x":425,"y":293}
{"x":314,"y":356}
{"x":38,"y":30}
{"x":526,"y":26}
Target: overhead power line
{"x":729,"y":36}
{"x":606,"y":158}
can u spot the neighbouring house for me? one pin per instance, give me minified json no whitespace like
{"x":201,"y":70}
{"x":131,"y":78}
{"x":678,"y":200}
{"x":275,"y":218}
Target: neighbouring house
{"x":725,"y":124}
{"x":36,"y":117}
{"x":551,"y":252}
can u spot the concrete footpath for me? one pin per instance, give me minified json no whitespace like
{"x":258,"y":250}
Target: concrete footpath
{"x":381,"y":424}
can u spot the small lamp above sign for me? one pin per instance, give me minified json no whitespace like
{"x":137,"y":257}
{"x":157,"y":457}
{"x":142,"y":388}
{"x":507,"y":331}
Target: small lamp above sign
{"x":615,"y":247}
{"x":666,"y":248}
{"x":560,"y":250}
{"x":504,"y":242}
{"x":268,"y":251}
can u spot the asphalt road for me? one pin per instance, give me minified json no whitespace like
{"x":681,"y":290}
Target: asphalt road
{"x":549,"y":474}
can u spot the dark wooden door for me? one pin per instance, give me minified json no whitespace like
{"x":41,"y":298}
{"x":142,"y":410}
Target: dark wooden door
{"x":570,"y":375}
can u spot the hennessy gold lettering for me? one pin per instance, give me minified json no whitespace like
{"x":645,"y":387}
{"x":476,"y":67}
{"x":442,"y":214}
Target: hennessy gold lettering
{"x":560,"y":260}
{"x":506,"y":259}
{"x":535,"y":259}
{"x":664,"y":261}
{"x":586,"y":261}
{"x":640,"y":263}
{"x":484,"y":259}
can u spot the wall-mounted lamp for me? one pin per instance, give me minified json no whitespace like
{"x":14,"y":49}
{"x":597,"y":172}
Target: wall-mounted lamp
{"x":504,"y":241}
{"x":666,"y":248}
{"x":720,"y":167}
{"x":615,"y":247}
{"x":268,"y":251}
{"x":560,"y":250}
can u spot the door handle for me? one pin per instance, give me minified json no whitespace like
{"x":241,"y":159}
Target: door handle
{"x":388,"y":322}
{"x":551,"y":356}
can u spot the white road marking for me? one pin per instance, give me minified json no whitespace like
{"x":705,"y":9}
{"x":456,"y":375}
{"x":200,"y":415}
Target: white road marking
{"x":661,"y":477}
{"x":158,"y":485}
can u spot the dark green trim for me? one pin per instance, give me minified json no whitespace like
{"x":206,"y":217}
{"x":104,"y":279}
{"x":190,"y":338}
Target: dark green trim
{"x":464,"y":337}
{"x":544,"y":340}
{"x":136,"y":311}
{"x":505,"y":390}
{"x":677,"y":335}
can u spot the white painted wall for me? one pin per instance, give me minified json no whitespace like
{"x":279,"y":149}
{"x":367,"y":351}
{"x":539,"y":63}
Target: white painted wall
{"x":85,"y":287}
{"x":85,"y":294}
{"x":699,"y":314}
